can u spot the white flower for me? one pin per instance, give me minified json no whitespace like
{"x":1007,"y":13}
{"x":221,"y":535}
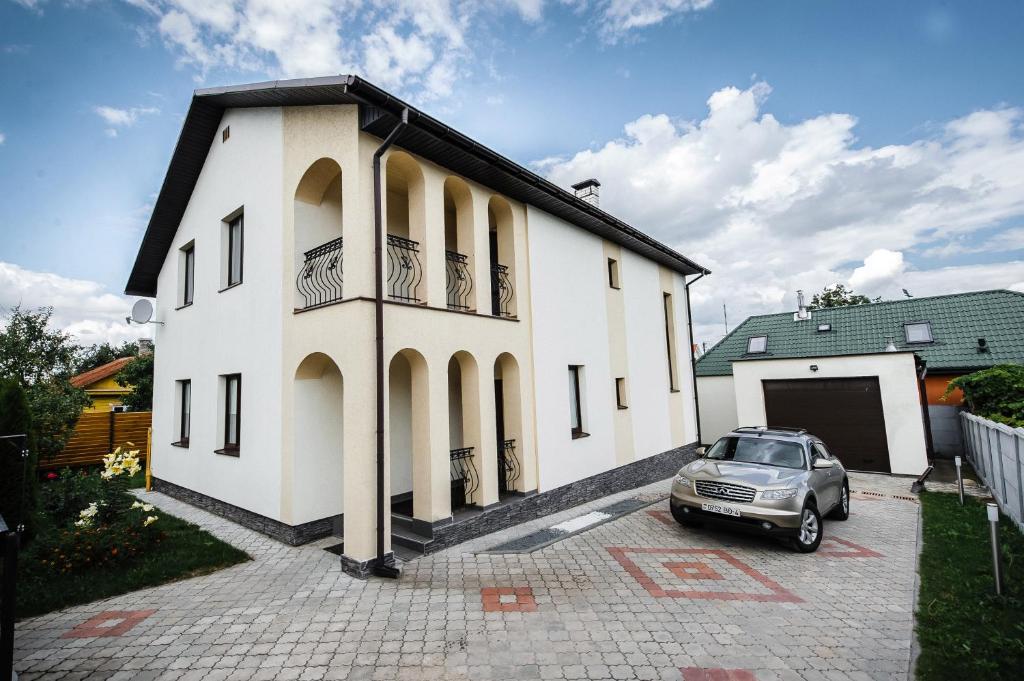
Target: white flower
{"x":150,"y":520}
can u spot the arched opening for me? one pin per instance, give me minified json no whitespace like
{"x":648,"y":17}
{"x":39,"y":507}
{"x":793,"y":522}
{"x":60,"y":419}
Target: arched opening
{"x":408,"y":431}
{"x":318,"y":441}
{"x":464,"y":430}
{"x":318,"y":235}
{"x":406,"y":224}
{"x":458,"y":244}
{"x":508,"y":420}
{"x":502,"y":254}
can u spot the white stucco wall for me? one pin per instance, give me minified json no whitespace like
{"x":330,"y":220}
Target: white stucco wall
{"x":223,"y":333}
{"x":717,"y":396}
{"x":897,"y":380}
{"x":568,"y":273}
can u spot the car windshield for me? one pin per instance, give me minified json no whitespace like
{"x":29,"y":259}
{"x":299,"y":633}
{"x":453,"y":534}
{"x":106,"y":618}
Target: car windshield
{"x":758,"y":450}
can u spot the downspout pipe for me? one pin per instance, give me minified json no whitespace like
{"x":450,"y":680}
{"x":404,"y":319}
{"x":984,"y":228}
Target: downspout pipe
{"x":693,"y":357}
{"x":381,"y":568}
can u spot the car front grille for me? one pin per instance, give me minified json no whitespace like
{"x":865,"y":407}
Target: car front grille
{"x":725,"y":491}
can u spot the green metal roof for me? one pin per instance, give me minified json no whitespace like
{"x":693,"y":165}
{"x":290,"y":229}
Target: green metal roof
{"x":957,"y":322}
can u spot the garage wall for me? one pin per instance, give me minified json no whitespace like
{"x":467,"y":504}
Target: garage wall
{"x":717,"y":395}
{"x":897,"y":379}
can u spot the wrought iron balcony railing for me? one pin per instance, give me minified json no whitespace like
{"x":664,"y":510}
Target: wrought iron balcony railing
{"x":465,"y":479}
{"x":508,"y":466}
{"x":501,"y":291}
{"x":320,"y":278}
{"x":404,"y":269}
{"x":459,"y":282}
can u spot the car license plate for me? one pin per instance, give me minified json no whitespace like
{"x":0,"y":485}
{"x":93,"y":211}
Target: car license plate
{"x":718,"y":508}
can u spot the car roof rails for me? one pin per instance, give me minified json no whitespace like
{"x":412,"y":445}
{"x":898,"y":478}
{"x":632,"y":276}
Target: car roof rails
{"x":759,"y":430}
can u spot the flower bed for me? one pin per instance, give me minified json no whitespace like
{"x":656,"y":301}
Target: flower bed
{"x":98,"y":540}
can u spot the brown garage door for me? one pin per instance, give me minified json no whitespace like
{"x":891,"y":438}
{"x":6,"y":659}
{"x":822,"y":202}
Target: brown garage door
{"x":846,"y":413}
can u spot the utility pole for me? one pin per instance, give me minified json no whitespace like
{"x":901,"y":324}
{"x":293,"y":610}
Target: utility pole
{"x":725,"y":319}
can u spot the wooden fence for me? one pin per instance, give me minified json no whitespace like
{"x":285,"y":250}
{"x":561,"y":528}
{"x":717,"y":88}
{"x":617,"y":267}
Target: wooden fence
{"x":98,"y":433}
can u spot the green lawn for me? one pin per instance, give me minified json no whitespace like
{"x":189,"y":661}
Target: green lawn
{"x":965,"y":631}
{"x":185,"y":551}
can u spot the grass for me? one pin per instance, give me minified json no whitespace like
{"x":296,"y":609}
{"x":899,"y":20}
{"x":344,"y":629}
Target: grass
{"x":186,"y":551}
{"x":965,"y":631}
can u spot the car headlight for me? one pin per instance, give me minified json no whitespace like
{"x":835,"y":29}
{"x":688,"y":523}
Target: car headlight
{"x":779,"y":494}
{"x":684,"y":481}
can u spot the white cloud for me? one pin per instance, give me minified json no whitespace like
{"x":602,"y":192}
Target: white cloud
{"x":122,"y":118}
{"x":3,"y":138}
{"x":81,"y":307}
{"x":618,"y":19}
{"x":771,"y":207}
{"x":417,"y":47}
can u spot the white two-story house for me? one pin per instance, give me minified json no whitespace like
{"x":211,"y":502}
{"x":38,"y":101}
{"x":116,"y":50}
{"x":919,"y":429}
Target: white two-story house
{"x":373,"y":326}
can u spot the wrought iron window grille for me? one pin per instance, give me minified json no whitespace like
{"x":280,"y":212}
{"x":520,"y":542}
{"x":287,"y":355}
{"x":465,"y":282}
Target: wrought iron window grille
{"x":459,"y":283}
{"x":404,"y":269}
{"x":501,"y":291}
{"x":508,"y":464}
{"x":464,"y":476}
{"x":321,"y":276}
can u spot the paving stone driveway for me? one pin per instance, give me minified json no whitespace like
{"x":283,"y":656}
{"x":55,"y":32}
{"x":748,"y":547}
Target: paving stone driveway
{"x":635,"y":598}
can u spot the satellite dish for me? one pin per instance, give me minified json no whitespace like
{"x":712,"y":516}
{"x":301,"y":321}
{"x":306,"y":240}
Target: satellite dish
{"x":142,"y":311}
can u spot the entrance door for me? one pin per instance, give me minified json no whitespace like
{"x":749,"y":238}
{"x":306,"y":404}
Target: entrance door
{"x":499,"y":430}
{"x":846,"y":413}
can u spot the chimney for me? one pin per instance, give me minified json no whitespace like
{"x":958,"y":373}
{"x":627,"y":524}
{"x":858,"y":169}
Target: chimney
{"x":145,"y":347}
{"x":802,"y":313}
{"x":589,"y":191}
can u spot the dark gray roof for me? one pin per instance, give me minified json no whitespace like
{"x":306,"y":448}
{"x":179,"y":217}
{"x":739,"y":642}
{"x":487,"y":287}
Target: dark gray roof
{"x":379,"y":111}
{"x":957,"y":320}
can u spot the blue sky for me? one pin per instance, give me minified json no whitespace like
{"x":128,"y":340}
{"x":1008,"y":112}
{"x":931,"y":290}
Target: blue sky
{"x":786,"y":145}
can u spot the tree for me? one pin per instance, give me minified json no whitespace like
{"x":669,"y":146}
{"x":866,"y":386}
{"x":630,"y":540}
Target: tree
{"x":42,"y":361}
{"x":104,"y":353}
{"x":17,"y":475}
{"x":839,"y":296}
{"x":996,"y":393}
{"x":137,"y":375}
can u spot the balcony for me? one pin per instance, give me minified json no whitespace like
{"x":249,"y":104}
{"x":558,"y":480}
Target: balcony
{"x":508,"y":467}
{"x":501,"y":291}
{"x":464,"y":477}
{"x":321,"y":276}
{"x":405,"y":271}
{"x":459,"y":284}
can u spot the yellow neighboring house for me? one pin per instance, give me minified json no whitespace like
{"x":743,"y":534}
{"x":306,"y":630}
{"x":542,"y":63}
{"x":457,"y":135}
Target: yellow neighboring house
{"x":101,"y":387}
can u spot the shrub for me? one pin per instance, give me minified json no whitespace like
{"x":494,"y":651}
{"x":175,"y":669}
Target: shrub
{"x":61,"y":499}
{"x":17,"y":476}
{"x":996,"y":393}
{"x":77,"y":549}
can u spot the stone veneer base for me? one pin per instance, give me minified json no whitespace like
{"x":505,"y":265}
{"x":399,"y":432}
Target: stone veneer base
{"x":450,"y":532}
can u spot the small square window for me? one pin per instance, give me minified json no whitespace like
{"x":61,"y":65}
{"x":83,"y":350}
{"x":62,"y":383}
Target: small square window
{"x":757,"y":344}
{"x":824,"y":328}
{"x":225,"y":134}
{"x":613,"y":273}
{"x":918,"y":332}
{"x":621,"y":398}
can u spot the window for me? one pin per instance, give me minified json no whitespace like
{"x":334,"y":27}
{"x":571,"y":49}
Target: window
{"x":234,"y":251}
{"x":757,"y":344}
{"x":232,"y":413}
{"x":918,"y":332}
{"x":820,"y":452}
{"x":184,"y":412}
{"x":670,"y":340}
{"x":824,"y":328}
{"x":613,"y":273}
{"x":575,"y":401}
{"x":225,"y":134}
{"x":621,"y":398}
{"x":758,"y":450}
{"x":188,"y":273}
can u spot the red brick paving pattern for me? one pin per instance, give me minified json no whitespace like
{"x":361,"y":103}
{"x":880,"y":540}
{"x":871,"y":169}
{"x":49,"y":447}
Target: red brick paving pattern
{"x":98,"y":626}
{"x":524,"y":601}
{"x":778,"y":593}
{"x":701,"y":674}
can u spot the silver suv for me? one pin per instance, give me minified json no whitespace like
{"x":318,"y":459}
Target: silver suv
{"x":778,"y":481}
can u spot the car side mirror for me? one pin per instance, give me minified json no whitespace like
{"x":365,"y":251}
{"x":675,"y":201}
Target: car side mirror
{"x":823,"y":463}
{"x":701,"y":451}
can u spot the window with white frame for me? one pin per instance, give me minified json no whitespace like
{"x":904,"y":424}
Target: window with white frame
{"x":757,"y":344}
{"x":186,"y":274}
{"x":577,"y":409}
{"x":231,"y":413}
{"x":184,"y":404}
{"x":918,"y":332}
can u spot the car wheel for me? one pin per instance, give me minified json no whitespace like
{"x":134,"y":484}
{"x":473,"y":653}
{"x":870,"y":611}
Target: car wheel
{"x":842,"y":509}
{"x":809,"y":535}
{"x":683,"y":518}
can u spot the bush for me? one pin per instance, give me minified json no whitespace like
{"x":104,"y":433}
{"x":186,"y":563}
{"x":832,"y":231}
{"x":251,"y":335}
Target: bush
{"x":77,"y":549}
{"x":17,"y":490}
{"x":62,"y":498}
{"x":996,"y":393}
